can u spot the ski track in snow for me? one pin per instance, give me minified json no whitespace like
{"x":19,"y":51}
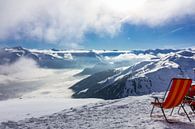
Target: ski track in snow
{"x":126,"y":113}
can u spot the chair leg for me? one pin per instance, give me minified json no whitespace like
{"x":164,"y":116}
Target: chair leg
{"x":156,"y":99}
{"x":171,"y":112}
{"x":192,"y":108}
{"x":152,"y":111}
{"x":179,"y":109}
{"x":185,"y":112}
{"x":162,"y":111}
{"x":165,"y":115}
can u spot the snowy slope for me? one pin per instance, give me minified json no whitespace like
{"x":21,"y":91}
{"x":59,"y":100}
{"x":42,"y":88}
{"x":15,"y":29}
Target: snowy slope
{"x":130,"y":112}
{"x":142,"y":78}
{"x":19,"y":109}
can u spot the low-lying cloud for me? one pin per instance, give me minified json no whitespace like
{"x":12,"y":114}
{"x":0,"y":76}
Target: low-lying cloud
{"x":130,"y":57}
{"x":66,"y":21}
{"x":24,"y":69}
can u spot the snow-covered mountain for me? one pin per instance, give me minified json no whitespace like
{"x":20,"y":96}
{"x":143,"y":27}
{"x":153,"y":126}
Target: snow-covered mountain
{"x":142,"y":78}
{"x":53,"y":58}
{"x":50,"y":58}
{"x":155,"y":51}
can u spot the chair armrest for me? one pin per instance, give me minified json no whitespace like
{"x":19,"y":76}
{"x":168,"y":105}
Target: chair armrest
{"x":157,"y":100}
{"x":157,"y":97}
{"x":189,"y":98}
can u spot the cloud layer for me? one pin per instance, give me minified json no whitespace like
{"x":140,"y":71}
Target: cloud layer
{"x":22,"y":70}
{"x":130,"y":57}
{"x":66,"y":21}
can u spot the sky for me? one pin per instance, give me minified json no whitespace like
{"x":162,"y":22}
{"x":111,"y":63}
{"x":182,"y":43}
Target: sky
{"x":97,"y":24}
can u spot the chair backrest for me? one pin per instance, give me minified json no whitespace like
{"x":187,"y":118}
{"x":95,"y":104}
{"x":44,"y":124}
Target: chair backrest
{"x":178,"y":90}
{"x":192,"y":91}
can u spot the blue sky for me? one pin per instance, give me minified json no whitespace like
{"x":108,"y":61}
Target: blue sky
{"x":180,"y":35}
{"x":96,"y":24}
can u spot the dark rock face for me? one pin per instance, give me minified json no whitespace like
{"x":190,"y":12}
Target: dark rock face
{"x":91,"y":88}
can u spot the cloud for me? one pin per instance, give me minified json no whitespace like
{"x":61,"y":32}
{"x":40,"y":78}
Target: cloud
{"x":159,"y":12}
{"x":177,"y":29}
{"x":67,"y":21}
{"x":22,"y":70}
{"x":130,"y":57}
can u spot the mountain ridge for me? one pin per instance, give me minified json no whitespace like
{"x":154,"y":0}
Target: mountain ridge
{"x":144,"y":77}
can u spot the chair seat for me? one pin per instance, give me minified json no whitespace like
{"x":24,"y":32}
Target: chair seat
{"x":158,"y":104}
{"x":192,"y":104}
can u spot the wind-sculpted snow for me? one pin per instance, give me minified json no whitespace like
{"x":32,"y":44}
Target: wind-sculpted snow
{"x":142,"y":78}
{"x":126,"y":113}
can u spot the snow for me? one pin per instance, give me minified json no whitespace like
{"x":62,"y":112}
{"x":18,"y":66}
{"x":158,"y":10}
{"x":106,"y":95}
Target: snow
{"x":18,"y":109}
{"x":48,"y":92}
{"x":151,"y":76}
{"x":40,"y":92}
{"x":83,"y":91}
{"x":68,"y":56}
{"x":77,"y":51}
{"x":48,"y":103}
{"x":130,"y":112}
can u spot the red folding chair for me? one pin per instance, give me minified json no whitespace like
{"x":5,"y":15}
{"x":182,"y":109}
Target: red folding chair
{"x":190,"y":99}
{"x":179,"y":87}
